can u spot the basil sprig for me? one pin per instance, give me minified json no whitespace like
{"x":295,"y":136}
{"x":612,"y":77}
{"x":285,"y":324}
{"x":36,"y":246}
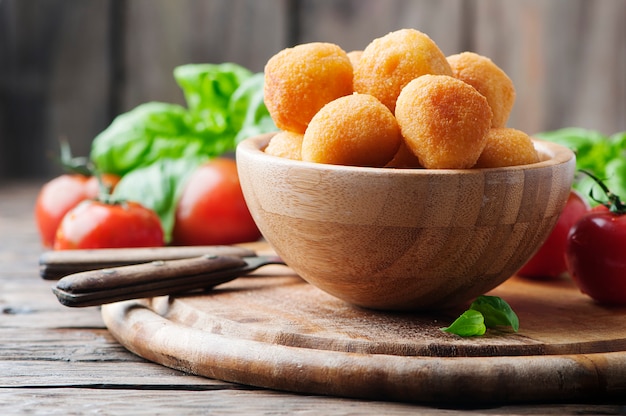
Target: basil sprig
{"x":156,"y":145}
{"x":485,"y":312}
{"x":603,"y":156}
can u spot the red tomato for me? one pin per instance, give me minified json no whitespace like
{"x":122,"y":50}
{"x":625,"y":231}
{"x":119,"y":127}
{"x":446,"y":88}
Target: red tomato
{"x":55,"y":199}
{"x":95,"y":224}
{"x":212,"y":210}
{"x":61,"y":194}
{"x":549,"y":261}
{"x":596,"y":255}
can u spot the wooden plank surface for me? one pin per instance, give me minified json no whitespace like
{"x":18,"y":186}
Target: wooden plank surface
{"x":57,"y":360}
{"x":67,"y":67}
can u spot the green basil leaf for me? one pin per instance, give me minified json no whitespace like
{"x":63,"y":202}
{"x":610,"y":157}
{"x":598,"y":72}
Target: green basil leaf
{"x":594,"y":151}
{"x":618,"y":142}
{"x":126,"y":143}
{"x":496,"y":312}
{"x":592,"y":148}
{"x":616,"y":177}
{"x":572,"y":137}
{"x":158,"y":186}
{"x":249,"y":115}
{"x":209,"y":85}
{"x":155,"y":145}
{"x":471,"y":323}
{"x":208,"y":89}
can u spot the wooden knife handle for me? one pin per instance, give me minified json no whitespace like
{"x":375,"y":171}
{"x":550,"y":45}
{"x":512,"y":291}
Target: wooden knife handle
{"x":153,"y":273}
{"x":54,"y":265}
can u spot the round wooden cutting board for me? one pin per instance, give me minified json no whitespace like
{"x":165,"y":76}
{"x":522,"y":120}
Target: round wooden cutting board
{"x":276,"y":331}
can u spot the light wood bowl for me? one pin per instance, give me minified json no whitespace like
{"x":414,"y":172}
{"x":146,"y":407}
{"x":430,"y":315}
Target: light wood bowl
{"x":404,"y":239}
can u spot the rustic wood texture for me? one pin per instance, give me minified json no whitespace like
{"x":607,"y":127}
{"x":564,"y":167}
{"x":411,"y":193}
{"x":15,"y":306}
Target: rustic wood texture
{"x":280,"y":332}
{"x":375,"y":237}
{"x":67,"y":67}
{"x":57,"y":360}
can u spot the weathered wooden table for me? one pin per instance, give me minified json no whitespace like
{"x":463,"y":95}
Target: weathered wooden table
{"x":59,"y":360}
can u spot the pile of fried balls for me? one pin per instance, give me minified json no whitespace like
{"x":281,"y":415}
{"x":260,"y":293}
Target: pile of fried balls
{"x":398,"y":103}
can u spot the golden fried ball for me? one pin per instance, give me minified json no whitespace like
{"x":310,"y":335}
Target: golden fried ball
{"x":388,"y":63}
{"x":286,"y":144}
{"x":491,"y":81}
{"x":444,"y":121}
{"x":301,"y":80}
{"x":404,"y":158}
{"x":507,"y":147}
{"x":356,"y":130}
{"x":355,"y":56}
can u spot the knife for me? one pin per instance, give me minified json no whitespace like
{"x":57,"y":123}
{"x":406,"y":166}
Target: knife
{"x":53,"y":265}
{"x":156,"y":278}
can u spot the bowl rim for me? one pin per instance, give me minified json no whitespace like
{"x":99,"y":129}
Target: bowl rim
{"x":556,"y":155}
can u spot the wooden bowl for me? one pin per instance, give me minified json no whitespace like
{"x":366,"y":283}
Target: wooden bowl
{"x":404,"y":239}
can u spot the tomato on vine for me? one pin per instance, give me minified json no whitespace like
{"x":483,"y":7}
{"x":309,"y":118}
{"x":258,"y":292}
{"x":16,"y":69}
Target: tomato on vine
{"x":596,"y":250}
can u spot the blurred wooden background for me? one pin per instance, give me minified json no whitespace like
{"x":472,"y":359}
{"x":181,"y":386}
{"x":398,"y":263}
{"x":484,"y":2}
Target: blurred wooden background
{"x":67,"y":67}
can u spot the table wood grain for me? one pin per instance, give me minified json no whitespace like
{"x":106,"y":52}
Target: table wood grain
{"x":59,"y":360}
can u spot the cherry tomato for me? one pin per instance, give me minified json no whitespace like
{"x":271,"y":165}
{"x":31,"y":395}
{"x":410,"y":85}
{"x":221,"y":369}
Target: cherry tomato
{"x":55,"y":199}
{"x":212,"y":210}
{"x":596,"y":255}
{"x":549,"y":261}
{"x":61,"y":194}
{"x":95,"y":224}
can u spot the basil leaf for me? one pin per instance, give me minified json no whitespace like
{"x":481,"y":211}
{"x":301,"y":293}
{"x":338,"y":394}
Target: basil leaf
{"x":595,"y":153}
{"x":496,"y":312}
{"x":158,"y":186}
{"x":618,"y":140}
{"x":126,"y":143}
{"x":470,"y":323}
{"x":615,"y":173}
{"x":156,"y":145}
{"x":249,"y":115}
{"x":591,"y":147}
{"x":209,"y":85}
{"x":208,"y":89}
{"x":225,"y":104}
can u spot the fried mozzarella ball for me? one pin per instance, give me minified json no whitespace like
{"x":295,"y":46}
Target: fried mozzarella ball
{"x":507,"y":147}
{"x":285,"y":144}
{"x":390,"y":62}
{"x":355,"y":130}
{"x":491,"y":81}
{"x":404,"y":158}
{"x":444,"y":121}
{"x":355,"y":56}
{"x":301,"y":80}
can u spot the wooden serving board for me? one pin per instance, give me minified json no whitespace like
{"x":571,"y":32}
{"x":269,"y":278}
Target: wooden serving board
{"x":276,"y":331}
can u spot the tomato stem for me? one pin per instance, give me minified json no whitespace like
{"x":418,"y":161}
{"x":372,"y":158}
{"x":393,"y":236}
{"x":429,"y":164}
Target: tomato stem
{"x":80,"y":165}
{"x":84,"y":166}
{"x":613,"y":202}
{"x":104,"y":190}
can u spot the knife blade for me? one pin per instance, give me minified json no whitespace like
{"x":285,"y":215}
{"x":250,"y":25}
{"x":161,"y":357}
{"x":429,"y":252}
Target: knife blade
{"x":157,"y":278}
{"x":54,"y":265}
